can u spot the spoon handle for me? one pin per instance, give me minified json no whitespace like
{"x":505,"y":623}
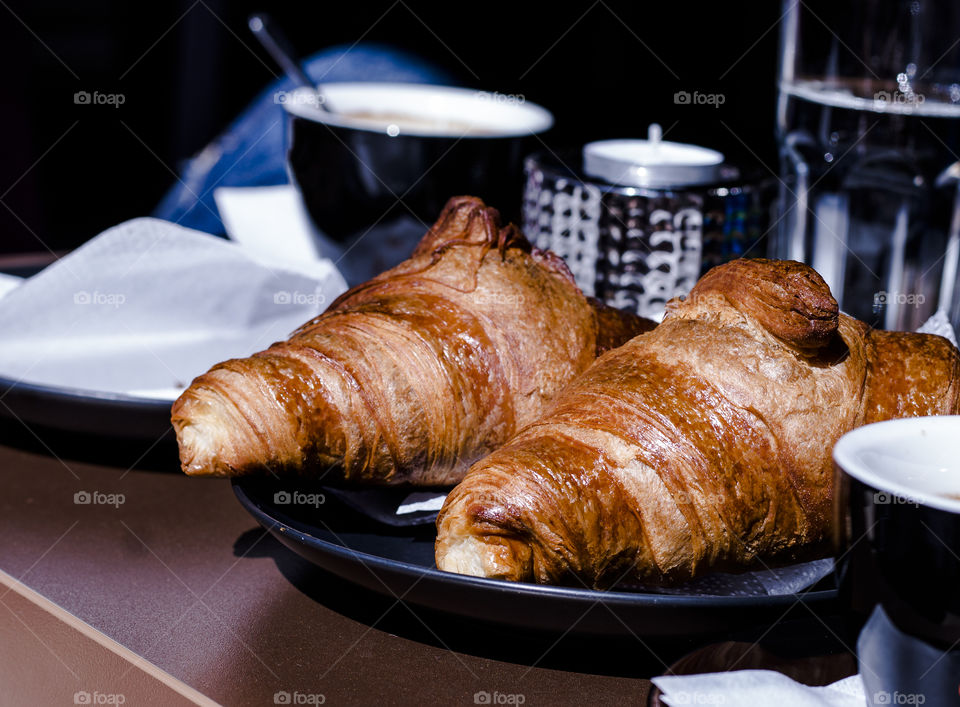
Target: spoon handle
{"x":277,"y":45}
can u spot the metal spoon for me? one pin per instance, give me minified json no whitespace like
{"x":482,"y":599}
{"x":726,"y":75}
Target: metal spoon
{"x":277,"y":45}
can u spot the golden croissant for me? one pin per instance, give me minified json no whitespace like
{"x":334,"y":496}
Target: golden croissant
{"x":702,"y":445}
{"x":412,"y":376}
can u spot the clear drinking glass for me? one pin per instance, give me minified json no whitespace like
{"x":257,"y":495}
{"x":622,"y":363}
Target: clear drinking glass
{"x":869,"y":98}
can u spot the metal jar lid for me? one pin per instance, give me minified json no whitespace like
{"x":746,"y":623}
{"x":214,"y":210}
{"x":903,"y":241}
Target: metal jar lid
{"x":652,"y":162}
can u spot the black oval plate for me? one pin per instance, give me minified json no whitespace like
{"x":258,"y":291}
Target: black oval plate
{"x":398,"y":562}
{"x":84,"y":411}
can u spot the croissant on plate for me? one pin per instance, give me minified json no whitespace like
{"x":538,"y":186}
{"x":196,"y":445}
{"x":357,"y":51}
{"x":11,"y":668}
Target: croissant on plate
{"x":412,"y":376}
{"x":702,"y":445}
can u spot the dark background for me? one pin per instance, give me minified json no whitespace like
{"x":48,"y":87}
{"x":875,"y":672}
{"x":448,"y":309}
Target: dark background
{"x":605,"y":69}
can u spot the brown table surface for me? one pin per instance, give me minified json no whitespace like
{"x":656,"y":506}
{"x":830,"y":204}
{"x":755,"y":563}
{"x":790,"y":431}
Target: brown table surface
{"x":180,"y":575}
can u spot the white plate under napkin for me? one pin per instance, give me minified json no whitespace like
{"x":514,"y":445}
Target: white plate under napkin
{"x":139,"y":311}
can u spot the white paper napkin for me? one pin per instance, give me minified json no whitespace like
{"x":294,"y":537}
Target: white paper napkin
{"x":254,"y":216}
{"x":421,"y":501}
{"x":9,"y":283}
{"x":750,"y":688}
{"x":146,"y":306}
{"x":939,"y":324}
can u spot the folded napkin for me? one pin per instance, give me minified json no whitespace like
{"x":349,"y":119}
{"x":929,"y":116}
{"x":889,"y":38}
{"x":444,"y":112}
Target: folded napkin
{"x":749,"y":688}
{"x":147,"y":305}
{"x":939,"y":324}
{"x":9,"y":283}
{"x":253,"y":216}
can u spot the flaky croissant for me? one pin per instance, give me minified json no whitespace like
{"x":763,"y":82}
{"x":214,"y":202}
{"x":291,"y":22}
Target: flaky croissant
{"x":411,"y":376}
{"x":704,"y":444}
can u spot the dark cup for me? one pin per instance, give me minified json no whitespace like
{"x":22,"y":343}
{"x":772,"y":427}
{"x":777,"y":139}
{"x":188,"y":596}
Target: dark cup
{"x":897,"y":529}
{"x":404,"y":149}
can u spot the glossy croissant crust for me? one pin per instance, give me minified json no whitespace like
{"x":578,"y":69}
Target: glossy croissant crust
{"x":412,"y":376}
{"x":704,"y":444}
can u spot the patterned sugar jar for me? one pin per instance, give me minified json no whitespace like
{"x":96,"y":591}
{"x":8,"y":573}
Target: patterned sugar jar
{"x":637,"y":247}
